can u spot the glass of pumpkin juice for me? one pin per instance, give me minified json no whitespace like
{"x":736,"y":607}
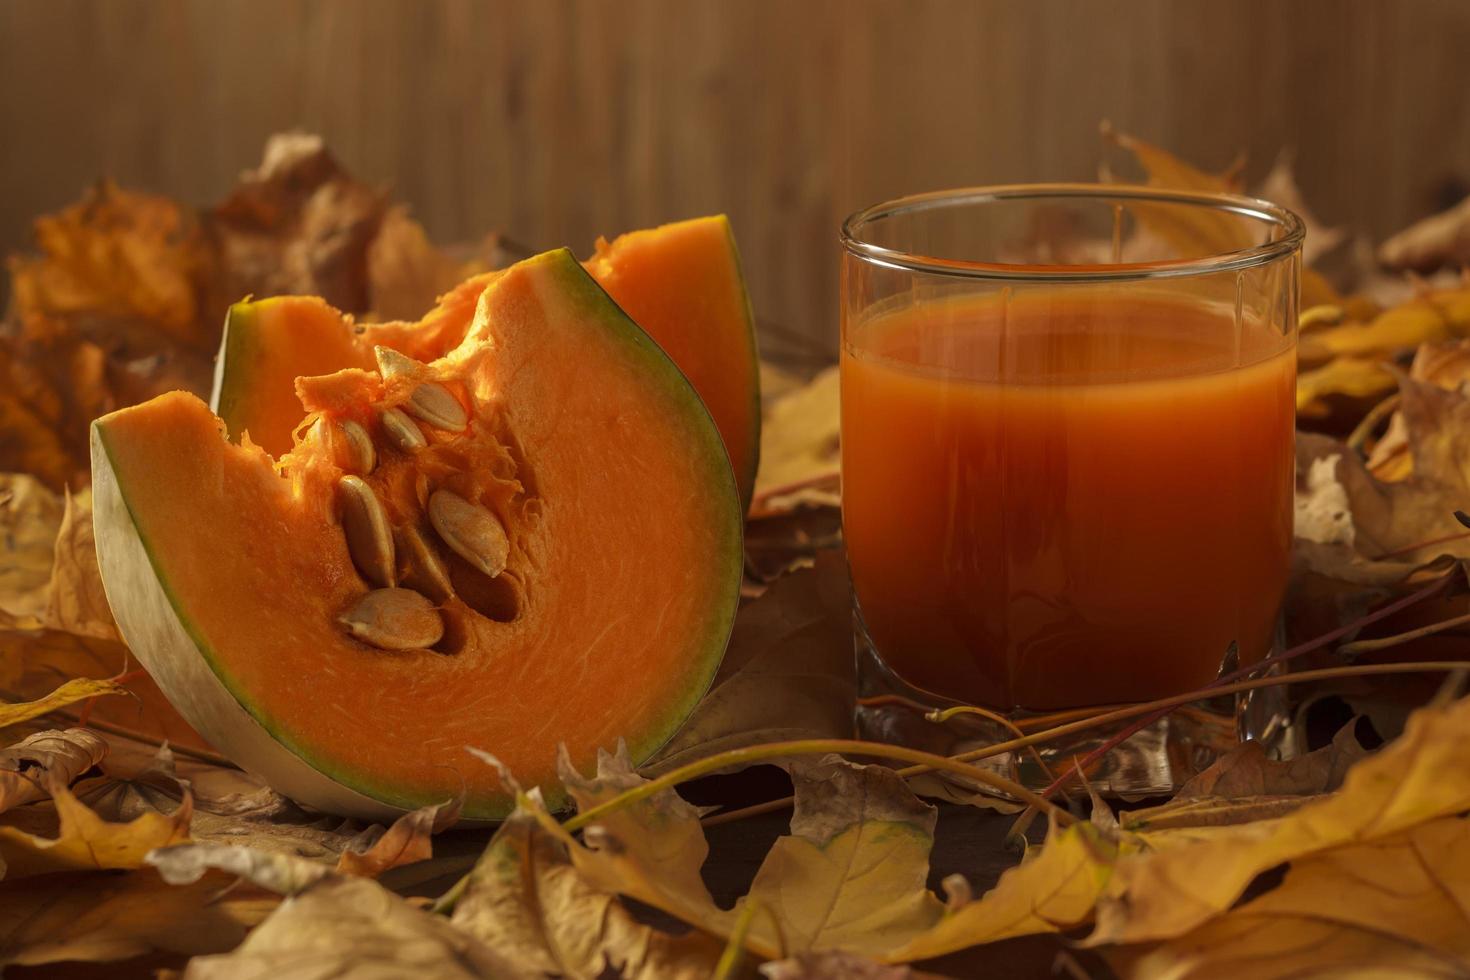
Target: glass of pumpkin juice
{"x":1067,"y":458}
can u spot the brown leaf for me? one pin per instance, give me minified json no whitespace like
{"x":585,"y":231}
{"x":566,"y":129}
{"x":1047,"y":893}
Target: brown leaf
{"x":528,"y":903}
{"x":406,"y":274}
{"x":1201,"y":232}
{"x":27,"y":767}
{"x":799,"y":449}
{"x":79,"y":915}
{"x":354,"y":927}
{"x":851,"y":875}
{"x":407,"y":841}
{"x":87,"y":842}
{"x":1440,"y":240}
{"x":1400,"y":905}
{"x":275,"y":871}
{"x":298,"y":225}
{"x":1248,"y":772}
{"x":77,"y":602}
{"x":1190,"y":876}
{"x":788,"y":672}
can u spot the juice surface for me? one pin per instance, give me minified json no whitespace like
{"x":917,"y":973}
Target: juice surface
{"x":1057,"y":503}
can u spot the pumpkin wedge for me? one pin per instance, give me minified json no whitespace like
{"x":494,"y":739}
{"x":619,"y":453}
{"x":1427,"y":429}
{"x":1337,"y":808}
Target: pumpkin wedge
{"x":531,"y":540}
{"x":680,"y":282}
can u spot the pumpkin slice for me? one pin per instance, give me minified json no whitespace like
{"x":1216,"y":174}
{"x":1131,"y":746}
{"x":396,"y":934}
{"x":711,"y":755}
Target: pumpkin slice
{"x":532,"y":540}
{"x":681,"y":282}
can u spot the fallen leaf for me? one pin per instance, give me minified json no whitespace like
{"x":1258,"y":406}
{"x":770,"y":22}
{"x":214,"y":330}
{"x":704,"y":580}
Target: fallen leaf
{"x":1247,"y":771}
{"x":1445,"y":365}
{"x":1352,"y":377}
{"x":406,"y":274}
{"x":799,"y":449}
{"x":72,"y":691}
{"x":851,"y":874}
{"x":1430,"y":317}
{"x":1055,"y":888}
{"x":1439,"y":240}
{"x":87,"y":842}
{"x":27,"y":767}
{"x":1279,"y":186}
{"x":83,"y":916}
{"x":407,"y":841}
{"x":30,"y":517}
{"x":76,"y":602}
{"x":1200,"y":232}
{"x":1245,"y":785}
{"x":788,"y":671}
{"x":836,"y":965}
{"x":526,"y":901}
{"x":354,"y":927}
{"x":297,"y":225}
{"x":1189,"y":876}
{"x":275,"y":871}
{"x":1398,"y":905}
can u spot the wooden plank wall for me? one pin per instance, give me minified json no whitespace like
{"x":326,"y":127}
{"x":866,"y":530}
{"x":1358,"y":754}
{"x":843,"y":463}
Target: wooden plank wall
{"x":555,"y":120}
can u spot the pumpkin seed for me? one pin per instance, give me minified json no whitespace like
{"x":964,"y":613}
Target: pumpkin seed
{"x":475,"y":534}
{"x":422,"y":569}
{"x":358,"y":445}
{"x":401,"y":431}
{"x":369,"y":541}
{"x":394,"y":619}
{"x":392,"y":364}
{"x":433,"y":403}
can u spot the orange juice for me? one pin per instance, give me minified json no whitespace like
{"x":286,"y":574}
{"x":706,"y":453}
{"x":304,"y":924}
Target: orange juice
{"x":1067,"y":501}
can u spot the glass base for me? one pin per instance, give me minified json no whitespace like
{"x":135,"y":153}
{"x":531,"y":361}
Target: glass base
{"x":1155,"y":761}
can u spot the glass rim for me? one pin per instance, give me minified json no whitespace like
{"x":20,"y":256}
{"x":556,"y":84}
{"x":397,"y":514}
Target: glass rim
{"x":1294,"y":233}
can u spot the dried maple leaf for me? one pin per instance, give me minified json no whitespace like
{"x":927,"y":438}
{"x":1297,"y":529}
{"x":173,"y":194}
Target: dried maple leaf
{"x":526,"y":901}
{"x":836,"y":965}
{"x":87,"y":842}
{"x":354,"y":927}
{"x":297,"y":225}
{"x":1397,"y":906}
{"x":1430,"y":317}
{"x":1190,"y":876}
{"x":409,"y":839}
{"x":799,"y":449}
{"x":1439,"y":240}
{"x":1056,"y":887}
{"x":851,"y":875}
{"x":27,"y":767}
{"x":787,"y":673}
{"x":83,"y":916}
{"x":30,"y":518}
{"x":1201,"y":232}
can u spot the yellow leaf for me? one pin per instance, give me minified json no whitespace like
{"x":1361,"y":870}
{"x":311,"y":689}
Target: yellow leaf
{"x":1055,"y":888}
{"x":1401,"y":902}
{"x":1417,"y":322}
{"x":1199,"y":233}
{"x":87,"y":842}
{"x":527,"y":902}
{"x":30,"y":516}
{"x":74,"y":690}
{"x":1445,"y":365}
{"x":851,"y":875}
{"x":1355,"y":377}
{"x":1193,"y":875}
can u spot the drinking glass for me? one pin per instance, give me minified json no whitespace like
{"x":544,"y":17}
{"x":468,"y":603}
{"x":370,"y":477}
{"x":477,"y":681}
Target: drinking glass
{"x":1067,"y":459}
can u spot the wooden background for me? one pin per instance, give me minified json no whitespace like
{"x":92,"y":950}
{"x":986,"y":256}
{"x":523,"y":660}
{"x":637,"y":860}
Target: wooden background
{"x":554,"y":121}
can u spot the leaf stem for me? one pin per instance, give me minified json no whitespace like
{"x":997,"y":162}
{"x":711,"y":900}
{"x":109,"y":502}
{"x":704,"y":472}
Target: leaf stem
{"x":1360,"y":647}
{"x":1131,"y":711}
{"x":734,"y":953}
{"x":813,"y":746}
